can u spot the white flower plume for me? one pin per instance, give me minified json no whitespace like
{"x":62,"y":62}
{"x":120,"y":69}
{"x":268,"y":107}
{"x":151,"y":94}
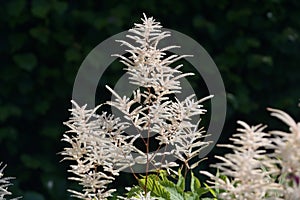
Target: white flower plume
{"x":248,"y":168}
{"x":97,"y":142}
{"x":102,"y":145}
{"x":153,"y":109}
{"x":287,"y":145}
{"x":148,"y":66}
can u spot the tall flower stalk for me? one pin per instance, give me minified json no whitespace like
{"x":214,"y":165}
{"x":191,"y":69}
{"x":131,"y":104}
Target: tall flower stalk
{"x":102,"y":145}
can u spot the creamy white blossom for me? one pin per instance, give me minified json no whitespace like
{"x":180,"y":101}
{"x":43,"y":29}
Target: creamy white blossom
{"x":97,"y":142}
{"x":154,"y":108}
{"x":102,"y":145}
{"x":248,"y":168}
{"x":148,"y":66}
{"x":287,"y":145}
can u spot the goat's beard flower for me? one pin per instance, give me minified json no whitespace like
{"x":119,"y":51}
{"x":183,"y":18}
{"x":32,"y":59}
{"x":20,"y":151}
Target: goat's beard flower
{"x":254,"y":173}
{"x":152,"y":110}
{"x":100,"y":145}
{"x":287,"y":145}
{"x":248,"y":168}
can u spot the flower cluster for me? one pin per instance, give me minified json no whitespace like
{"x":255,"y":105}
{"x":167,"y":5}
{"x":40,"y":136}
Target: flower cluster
{"x":102,"y":145}
{"x":99,"y":148}
{"x":263,"y":165}
{"x":286,"y":145}
{"x":248,"y":166}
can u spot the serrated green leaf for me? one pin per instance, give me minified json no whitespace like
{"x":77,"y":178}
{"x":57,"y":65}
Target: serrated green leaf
{"x":191,"y":196}
{"x":167,"y":183}
{"x":154,"y":187}
{"x":174,"y":194}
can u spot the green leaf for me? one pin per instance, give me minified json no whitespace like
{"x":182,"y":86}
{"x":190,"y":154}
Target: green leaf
{"x":133,"y":191}
{"x":196,"y":186}
{"x":154,"y":186}
{"x":174,"y":194}
{"x":26,"y":61}
{"x":211,"y":190}
{"x":191,"y":196}
{"x":167,"y":183}
{"x":181,"y":181}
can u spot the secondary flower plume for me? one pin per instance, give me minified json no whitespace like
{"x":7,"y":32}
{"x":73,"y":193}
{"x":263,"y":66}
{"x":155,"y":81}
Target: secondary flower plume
{"x":248,"y":168}
{"x":287,"y":145}
{"x":263,"y":165}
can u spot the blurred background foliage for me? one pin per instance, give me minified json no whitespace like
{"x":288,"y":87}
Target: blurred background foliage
{"x":255,"y":45}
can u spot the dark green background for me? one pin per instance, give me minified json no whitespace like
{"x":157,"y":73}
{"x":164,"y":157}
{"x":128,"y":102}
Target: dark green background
{"x":255,"y":45}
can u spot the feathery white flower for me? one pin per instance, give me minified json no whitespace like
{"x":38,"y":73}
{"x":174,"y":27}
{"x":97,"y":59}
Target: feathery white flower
{"x":287,"y":147}
{"x":153,"y":109}
{"x":97,"y":141}
{"x":100,"y":142}
{"x":148,"y":66}
{"x":248,"y":168}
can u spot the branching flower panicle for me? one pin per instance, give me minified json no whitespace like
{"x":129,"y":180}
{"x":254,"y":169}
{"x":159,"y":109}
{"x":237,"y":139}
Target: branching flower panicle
{"x":97,"y":141}
{"x":287,"y":145}
{"x":152,"y":110}
{"x":248,"y":168}
{"x":262,"y":165}
{"x":103,"y":145}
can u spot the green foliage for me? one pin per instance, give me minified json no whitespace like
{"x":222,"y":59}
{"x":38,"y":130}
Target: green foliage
{"x":163,"y":188}
{"x":255,"y":44}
